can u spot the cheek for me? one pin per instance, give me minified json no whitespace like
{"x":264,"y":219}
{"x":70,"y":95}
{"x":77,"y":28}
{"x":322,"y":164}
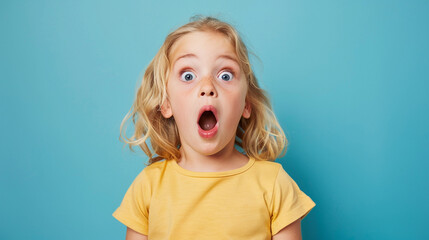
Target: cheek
{"x":173,"y":95}
{"x":180,"y":106}
{"x":242,"y":97}
{"x":237,"y":103}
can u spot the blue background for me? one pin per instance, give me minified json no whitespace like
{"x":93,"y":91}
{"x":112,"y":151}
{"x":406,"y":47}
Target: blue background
{"x":348,"y":81}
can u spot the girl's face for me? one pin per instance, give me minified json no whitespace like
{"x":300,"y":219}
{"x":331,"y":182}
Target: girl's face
{"x":206,"y":92}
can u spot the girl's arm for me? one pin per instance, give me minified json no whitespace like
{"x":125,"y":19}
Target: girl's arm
{"x":290,"y":232}
{"x":133,"y":235}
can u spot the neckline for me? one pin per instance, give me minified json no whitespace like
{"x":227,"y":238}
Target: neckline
{"x":212,"y":174}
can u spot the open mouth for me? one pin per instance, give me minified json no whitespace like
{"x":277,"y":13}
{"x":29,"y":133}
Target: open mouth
{"x":207,"y":120}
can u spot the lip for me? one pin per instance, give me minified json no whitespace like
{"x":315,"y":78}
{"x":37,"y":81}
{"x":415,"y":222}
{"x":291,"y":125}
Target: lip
{"x":208,"y":133}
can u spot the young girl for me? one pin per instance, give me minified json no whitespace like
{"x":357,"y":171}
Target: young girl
{"x":199,"y":99}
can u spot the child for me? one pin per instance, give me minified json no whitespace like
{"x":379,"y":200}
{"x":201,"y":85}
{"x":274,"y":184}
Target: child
{"x":199,"y":99}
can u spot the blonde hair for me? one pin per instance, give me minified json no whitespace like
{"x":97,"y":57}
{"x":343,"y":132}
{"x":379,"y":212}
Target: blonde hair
{"x":260,"y":136}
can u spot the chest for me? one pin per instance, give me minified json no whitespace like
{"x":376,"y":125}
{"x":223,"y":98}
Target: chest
{"x":229,"y":208}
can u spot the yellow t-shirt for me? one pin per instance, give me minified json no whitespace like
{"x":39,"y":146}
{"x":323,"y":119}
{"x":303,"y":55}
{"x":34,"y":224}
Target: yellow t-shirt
{"x":255,"y":201}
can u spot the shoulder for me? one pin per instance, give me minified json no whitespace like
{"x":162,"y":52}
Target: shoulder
{"x":150,"y":175}
{"x":274,"y":174}
{"x":265,"y":173}
{"x":154,"y":170}
{"x":268,"y":167}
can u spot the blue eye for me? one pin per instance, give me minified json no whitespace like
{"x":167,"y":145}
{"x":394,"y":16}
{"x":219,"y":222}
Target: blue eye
{"x":187,"y":76}
{"x":226,"y":76}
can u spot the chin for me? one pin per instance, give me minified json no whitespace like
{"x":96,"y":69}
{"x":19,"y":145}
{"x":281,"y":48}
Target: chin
{"x":210,"y":149}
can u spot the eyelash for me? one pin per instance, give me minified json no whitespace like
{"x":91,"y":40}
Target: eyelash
{"x":221,"y":71}
{"x":185,"y":70}
{"x":228,"y":70}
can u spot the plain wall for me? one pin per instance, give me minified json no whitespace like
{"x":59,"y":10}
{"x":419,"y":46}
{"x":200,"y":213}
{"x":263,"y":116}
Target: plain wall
{"x":348,"y":81}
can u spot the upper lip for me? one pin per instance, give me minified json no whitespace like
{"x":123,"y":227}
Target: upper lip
{"x":206,"y":108}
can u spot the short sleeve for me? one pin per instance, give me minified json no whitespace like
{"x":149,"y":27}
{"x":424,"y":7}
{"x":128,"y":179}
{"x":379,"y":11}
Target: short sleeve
{"x":134,"y":209}
{"x":288,"y":202}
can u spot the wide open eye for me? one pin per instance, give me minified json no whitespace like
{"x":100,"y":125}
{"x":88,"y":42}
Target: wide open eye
{"x":226,"y":76}
{"x":187,"y":76}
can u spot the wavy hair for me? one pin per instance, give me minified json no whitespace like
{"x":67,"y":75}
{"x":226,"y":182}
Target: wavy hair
{"x":260,"y":136}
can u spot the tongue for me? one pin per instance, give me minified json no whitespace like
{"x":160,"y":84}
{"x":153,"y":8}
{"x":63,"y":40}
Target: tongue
{"x":207,"y":121}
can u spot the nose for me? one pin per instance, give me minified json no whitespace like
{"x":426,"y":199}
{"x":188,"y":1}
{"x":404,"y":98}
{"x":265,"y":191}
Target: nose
{"x":207,"y":88}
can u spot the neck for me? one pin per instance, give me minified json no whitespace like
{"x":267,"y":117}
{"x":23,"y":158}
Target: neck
{"x":226,"y":159}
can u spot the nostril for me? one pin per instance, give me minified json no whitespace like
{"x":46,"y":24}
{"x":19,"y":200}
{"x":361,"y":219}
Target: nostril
{"x":203,"y":93}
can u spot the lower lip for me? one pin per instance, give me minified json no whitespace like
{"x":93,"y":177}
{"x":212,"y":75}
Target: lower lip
{"x":209,"y":133}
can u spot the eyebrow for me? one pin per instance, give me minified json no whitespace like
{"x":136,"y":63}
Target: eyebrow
{"x":186,"y":56}
{"x":191,"y":55}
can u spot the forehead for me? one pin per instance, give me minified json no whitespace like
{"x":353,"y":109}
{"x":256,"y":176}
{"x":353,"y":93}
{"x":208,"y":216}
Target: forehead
{"x":202,"y":44}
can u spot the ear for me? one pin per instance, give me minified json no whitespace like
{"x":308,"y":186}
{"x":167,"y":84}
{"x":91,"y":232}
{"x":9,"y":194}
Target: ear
{"x":247,"y":110}
{"x":166,"y":109}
